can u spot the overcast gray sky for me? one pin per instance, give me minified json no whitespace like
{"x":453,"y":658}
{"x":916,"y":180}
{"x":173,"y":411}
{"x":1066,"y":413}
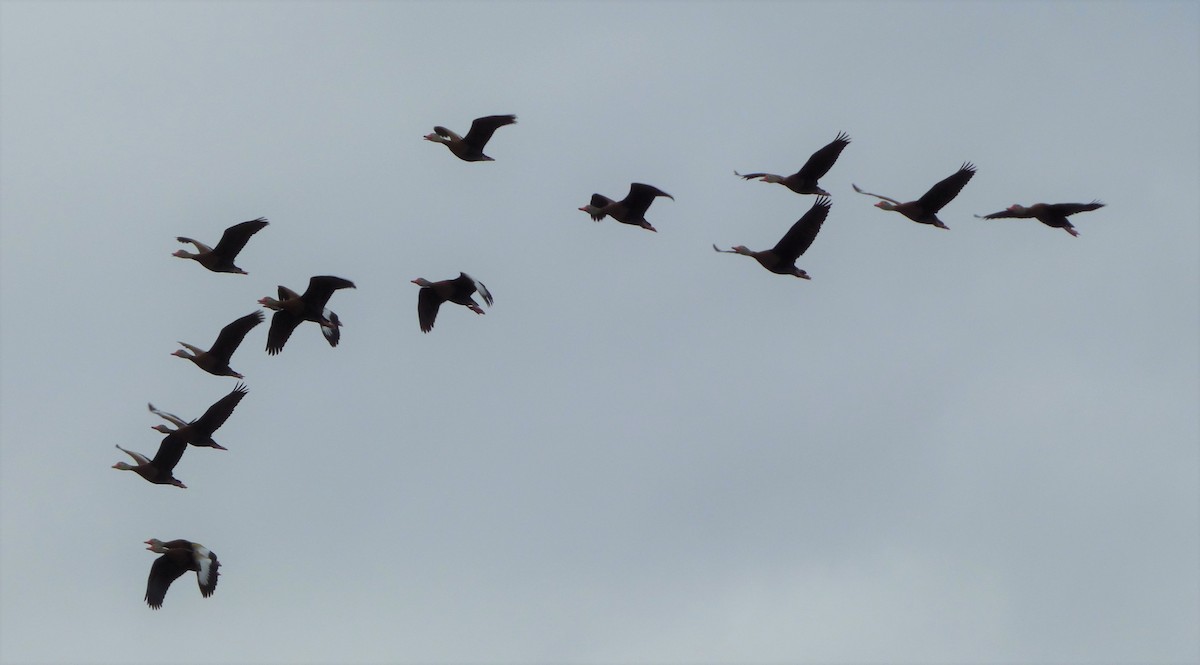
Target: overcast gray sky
{"x":974,"y":445}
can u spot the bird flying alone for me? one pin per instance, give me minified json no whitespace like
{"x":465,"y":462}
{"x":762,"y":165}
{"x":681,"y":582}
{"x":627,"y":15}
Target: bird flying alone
{"x":199,"y":432}
{"x":629,"y":210}
{"x":215,"y":360}
{"x":805,"y":180}
{"x":458,"y":291}
{"x":220,"y":258}
{"x":292,"y":309}
{"x":781,"y":259}
{"x":178,"y":557}
{"x":924,"y":210}
{"x":1053,"y":215}
{"x":469,"y":148}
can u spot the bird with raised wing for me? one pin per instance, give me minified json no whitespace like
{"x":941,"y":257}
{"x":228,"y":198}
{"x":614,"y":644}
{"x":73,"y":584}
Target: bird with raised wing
{"x":292,"y":309}
{"x":159,"y":470}
{"x":781,"y":259}
{"x":629,"y":210}
{"x":220,"y":258}
{"x":215,"y":360}
{"x":1053,"y":215}
{"x":805,"y":180}
{"x":469,"y":148}
{"x":458,"y":291}
{"x":199,"y":432}
{"x":924,"y":210}
{"x":178,"y":557}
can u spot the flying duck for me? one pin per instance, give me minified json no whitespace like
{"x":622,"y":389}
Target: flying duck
{"x":199,"y":432}
{"x":457,"y":291}
{"x":1053,"y":215}
{"x":178,"y":557}
{"x":469,"y":148}
{"x":215,"y":361}
{"x":160,"y":469}
{"x":781,"y":259}
{"x":220,"y":258}
{"x":804,"y":181}
{"x":291,"y":309}
{"x":924,"y":210}
{"x":629,"y":210}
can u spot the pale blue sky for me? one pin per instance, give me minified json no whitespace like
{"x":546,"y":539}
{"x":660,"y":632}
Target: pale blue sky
{"x":974,"y":445}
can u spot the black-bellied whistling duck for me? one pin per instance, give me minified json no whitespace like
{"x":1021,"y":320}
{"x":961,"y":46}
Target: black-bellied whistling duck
{"x":292,"y":309}
{"x":215,"y":361}
{"x":781,"y":259}
{"x":804,"y":181}
{"x":220,"y":258}
{"x":924,"y":210}
{"x":469,"y":148}
{"x":199,"y":432}
{"x":457,"y":291}
{"x":178,"y":557}
{"x":629,"y":210}
{"x":1053,"y":215}
{"x":160,"y":469}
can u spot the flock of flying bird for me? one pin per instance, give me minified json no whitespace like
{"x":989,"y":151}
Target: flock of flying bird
{"x":291,"y":309}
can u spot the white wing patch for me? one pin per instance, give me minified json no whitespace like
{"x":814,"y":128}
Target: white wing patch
{"x":487,"y":295}
{"x":332,"y":333}
{"x":206,"y":576}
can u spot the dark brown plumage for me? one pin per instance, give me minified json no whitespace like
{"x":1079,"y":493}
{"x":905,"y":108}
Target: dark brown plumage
{"x":159,"y":470}
{"x":458,"y":290}
{"x":216,"y":359}
{"x":292,"y":309}
{"x":781,"y":259}
{"x":1053,"y":215}
{"x":805,"y":180}
{"x":469,"y":148}
{"x":178,"y":557}
{"x":924,"y":210}
{"x":629,"y":210}
{"x":199,"y":432}
{"x":220,"y":258}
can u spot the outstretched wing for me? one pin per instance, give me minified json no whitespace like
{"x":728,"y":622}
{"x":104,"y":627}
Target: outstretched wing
{"x":333,"y":334}
{"x":163,"y":571}
{"x":206,"y":577}
{"x":236,"y":237}
{"x":798,"y":238}
{"x":640,"y":197}
{"x":945,"y":191}
{"x":137,"y":457}
{"x":200,"y":247}
{"x":483,"y":128}
{"x":1072,"y":208}
{"x":822,"y":160}
{"x":321,"y":288}
{"x":231,"y":336}
{"x":428,"y":303}
{"x":169,"y":417}
{"x":218,"y":413}
{"x":751,"y":176}
{"x":878,"y":196}
{"x":283,"y":323}
{"x":170,"y":451}
{"x":479,"y":287}
{"x":1003,"y":214}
